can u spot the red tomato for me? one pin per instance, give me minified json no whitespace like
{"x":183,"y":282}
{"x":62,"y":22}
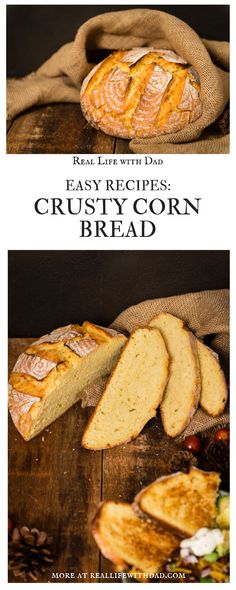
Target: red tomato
{"x":222,"y":434}
{"x":193,"y":444}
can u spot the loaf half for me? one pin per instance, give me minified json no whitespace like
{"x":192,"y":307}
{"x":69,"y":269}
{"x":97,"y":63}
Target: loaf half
{"x":143,"y":92}
{"x":133,"y":393}
{"x":127,"y":540}
{"x":182,"y":502}
{"x":214,"y":390}
{"x":182,"y":392}
{"x":49,"y":376}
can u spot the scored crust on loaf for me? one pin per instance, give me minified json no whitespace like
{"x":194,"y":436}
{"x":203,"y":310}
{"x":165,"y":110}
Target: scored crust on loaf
{"x":133,"y":392}
{"x":214,"y":391}
{"x":127,"y":540}
{"x":142,"y":92}
{"x":182,"y":392}
{"x":181,"y":502}
{"x":49,"y":376}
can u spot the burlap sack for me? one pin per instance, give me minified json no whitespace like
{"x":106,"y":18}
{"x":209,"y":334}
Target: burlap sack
{"x":206,"y":313}
{"x":59,"y":79}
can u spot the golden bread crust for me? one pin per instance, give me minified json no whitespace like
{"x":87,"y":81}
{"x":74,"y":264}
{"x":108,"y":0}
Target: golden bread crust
{"x":142,"y":537}
{"x":181,"y":503}
{"x":127,"y":540}
{"x":42,"y":367}
{"x":142,"y":92}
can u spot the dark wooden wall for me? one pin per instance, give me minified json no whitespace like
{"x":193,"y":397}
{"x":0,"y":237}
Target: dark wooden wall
{"x":35,"y":32}
{"x":48,"y":289}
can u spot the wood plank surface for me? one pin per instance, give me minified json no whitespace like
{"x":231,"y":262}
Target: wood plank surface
{"x":58,"y":129}
{"x":122,"y":146}
{"x":55,"y":485}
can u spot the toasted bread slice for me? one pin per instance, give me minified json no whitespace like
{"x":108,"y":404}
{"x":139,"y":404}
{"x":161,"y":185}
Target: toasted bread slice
{"x":127,"y":540}
{"x":214,"y":392}
{"x":134,"y":391}
{"x":182,"y":392}
{"x":183,"y":502}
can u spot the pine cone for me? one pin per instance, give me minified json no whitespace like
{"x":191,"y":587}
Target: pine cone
{"x":217,"y":455}
{"x":182,"y":461}
{"x":29,"y":551}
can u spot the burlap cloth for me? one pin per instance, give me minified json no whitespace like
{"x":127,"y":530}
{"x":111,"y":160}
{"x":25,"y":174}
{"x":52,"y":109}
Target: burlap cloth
{"x":60,"y":77}
{"x":206,"y":313}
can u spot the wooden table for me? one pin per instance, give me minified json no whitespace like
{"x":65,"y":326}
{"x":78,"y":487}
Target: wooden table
{"x":59,"y":129}
{"x":56,"y":485}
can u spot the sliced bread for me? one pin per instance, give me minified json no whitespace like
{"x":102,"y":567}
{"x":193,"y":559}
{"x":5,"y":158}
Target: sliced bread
{"x":133,"y":393}
{"x":49,"y":376}
{"x":214,"y":391}
{"x":127,"y":540}
{"x":182,"y":392}
{"x":181,"y":503}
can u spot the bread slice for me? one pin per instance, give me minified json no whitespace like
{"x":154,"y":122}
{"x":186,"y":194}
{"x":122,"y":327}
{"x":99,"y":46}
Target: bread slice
{"x":182,"y":502}
{"x":133,"y":392}
{"x":127,"y":540}
{"x":214,"y":391}
{"x":49,"y":377}
{"x":182,"y":392}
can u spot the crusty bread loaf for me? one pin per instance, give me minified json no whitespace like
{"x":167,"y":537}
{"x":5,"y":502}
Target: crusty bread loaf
{"x":182,"y":502}
{"x":127,"y":540}
{"x":214,"y":391}
{"x":133,"y":392}
{"x":49,"y":376}
{"x":143,"y":92}
{"x":182,"y":392}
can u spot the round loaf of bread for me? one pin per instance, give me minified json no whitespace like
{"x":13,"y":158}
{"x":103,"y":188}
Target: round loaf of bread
{"x":49,"y":377}
{"x":143,"y":92}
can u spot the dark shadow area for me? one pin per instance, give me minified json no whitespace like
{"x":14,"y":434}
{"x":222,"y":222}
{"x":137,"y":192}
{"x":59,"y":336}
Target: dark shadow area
{"x":48,"y":289}
{"x":35,"y":32}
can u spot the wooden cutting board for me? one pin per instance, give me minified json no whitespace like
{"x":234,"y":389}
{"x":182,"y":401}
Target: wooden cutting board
{"x":59,"y":129}
{"x":56,"y":485}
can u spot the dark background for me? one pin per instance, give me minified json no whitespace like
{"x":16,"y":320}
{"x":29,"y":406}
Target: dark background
{"x":48,"y":289}
{"x":35,"y":32}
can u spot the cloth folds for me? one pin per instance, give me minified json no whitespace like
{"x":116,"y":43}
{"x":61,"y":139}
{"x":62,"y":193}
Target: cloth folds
{"x":59,"y":79}
{"x":206,"y":313}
